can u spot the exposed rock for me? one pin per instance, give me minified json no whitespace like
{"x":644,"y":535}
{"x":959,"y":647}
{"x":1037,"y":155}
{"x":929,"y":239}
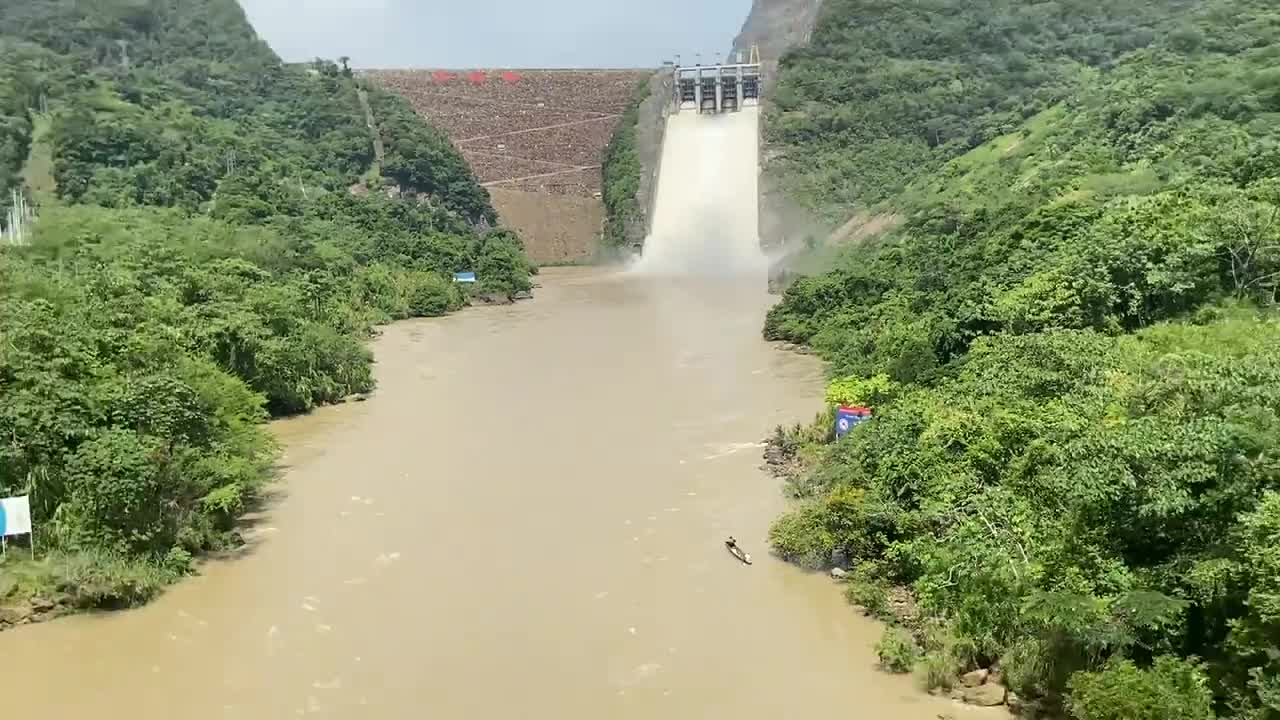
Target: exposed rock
{"x":357,"y":397}
{"x":863,"y":225}
{"x":42,"y":604}
{"x":838,"y":573}
{"x":1014,"y":702}
{"x":15,"y":615}
{"x":781,"y":463}
{"x":903,"y":606}
{"x":956,"y":694}
{"x":988,"y":695}
{"x":839,"y":558}
{"x":995,"y":676}
{"x":522,"y":295}
{"x":975,"y":678}
{"x":797,"y":349}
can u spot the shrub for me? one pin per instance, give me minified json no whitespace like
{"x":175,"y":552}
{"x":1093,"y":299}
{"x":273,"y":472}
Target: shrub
{"x":428,"y":294}
{"x":178,"y":561}
{"x":97,"y":579}
{"x":853,"y":390}
{"x":800,"y":537}
{"x":936,"y":670}
{"x":869,"y":591}
{"x":1171,"y":688}
{"x":897,"y":650}
{"x":945,"y":656}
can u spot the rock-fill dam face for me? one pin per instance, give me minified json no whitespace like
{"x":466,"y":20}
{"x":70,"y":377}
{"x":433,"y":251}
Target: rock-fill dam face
{"x":535,"y":140}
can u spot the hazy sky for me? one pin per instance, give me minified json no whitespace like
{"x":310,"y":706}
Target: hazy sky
{"x":498,"y":33}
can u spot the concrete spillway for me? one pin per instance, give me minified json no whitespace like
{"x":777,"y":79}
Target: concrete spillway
{"x":706,"y":208}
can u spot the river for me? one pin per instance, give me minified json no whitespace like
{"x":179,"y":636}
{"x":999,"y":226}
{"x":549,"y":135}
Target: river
{"x":525,"y":521}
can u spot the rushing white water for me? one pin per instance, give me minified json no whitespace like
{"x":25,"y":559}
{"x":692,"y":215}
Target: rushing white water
{"x":706,"y":209}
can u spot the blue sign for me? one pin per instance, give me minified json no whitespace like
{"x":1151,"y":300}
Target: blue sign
{"x":847,"y":418}
{"x":464,"y":277}
{"x":3,"y":521}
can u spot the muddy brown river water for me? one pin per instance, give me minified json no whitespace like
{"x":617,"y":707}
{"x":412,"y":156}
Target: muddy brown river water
{"x":525,"y":521}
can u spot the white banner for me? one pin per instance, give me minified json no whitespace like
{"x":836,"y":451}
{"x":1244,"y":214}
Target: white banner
{"x":15,"y":516}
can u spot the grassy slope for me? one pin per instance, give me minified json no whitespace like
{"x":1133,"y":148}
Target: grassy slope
{"x":621,"y":169}
{"x":37,"y":171}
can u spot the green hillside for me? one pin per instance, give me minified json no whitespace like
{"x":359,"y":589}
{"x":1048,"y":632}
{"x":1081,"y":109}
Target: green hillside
{"x":1068,"y":336}
{"x":199,"y":263}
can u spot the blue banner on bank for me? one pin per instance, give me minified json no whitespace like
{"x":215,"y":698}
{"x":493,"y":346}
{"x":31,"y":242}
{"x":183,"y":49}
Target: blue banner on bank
{"x":464,"y":277}
{"x":848,"y":417}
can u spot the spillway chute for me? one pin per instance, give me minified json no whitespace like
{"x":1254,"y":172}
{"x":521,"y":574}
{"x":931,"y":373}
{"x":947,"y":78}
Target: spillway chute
{"x":706,"y":209}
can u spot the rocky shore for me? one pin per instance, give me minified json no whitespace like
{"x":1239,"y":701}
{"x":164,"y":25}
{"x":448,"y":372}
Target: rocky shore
{"x":34,"y":610}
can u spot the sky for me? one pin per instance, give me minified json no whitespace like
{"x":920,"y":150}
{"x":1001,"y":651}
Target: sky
{"x":498,"y":33}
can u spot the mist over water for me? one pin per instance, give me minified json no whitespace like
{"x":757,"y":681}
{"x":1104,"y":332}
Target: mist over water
{"x":706,"y":208}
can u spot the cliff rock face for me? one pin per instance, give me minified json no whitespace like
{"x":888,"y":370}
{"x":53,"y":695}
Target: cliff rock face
{"x":775,"y":27}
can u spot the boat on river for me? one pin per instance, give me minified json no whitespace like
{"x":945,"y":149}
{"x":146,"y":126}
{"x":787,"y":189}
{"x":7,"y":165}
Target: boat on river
{"x":743,"y":556}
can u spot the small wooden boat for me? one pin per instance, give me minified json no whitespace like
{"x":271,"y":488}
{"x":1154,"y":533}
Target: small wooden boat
{"x":743,"y":556}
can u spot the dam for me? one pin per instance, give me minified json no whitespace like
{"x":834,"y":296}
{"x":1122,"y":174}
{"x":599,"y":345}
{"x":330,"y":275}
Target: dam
{"x":534,"y":138}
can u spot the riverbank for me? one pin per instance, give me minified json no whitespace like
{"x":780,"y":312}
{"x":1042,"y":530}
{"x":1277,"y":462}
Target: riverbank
{"x":48,"y":586}
{"x":60,"y":584}
{"x":911,"y":643}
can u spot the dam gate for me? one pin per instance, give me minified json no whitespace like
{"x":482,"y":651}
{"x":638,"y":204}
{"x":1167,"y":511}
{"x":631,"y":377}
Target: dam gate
{"x":717,"y":88}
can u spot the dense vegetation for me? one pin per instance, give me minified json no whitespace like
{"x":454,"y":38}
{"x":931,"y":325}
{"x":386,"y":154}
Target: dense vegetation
{"x":1069,"y":340}
{"x":621,"y":169}
{"x":198,"y":265}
